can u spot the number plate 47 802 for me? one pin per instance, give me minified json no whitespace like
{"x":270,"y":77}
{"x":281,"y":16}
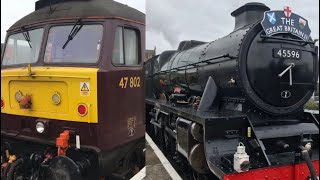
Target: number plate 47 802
{"x":287,"y":53}
{"x":129,"y":82}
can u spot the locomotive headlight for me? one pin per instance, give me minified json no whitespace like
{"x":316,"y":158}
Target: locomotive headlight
{"x":40,"y":127}
{"x":56,"y":98}
{"x":18,"y":96}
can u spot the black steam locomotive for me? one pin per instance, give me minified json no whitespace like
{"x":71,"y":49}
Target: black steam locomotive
{"x":233,"y":108}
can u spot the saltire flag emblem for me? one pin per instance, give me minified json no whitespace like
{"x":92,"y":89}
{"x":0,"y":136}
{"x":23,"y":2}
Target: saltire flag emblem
{"x":287,"y":11}
{"x":272,"y":18}
{"x":302,"y":23}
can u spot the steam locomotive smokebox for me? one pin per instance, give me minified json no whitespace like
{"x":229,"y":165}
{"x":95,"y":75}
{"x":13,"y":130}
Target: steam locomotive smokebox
{"x":248,"y":14}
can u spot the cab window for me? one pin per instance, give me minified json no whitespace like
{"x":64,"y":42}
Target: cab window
{"x":23,"y":47}
{"x":83,"y":48}
{"x":126,"y":47}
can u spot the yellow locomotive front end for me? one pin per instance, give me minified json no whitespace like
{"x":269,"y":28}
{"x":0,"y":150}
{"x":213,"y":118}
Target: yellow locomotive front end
{"x":65,"y":93}
{"x":49,"y":98}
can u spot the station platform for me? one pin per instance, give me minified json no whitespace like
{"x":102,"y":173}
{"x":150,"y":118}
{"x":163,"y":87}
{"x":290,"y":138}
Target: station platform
{"x":154,"y":167}
{"x":157,"y":165}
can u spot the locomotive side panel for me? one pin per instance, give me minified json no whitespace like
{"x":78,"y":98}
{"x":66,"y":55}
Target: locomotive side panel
{"x":121,"y":93}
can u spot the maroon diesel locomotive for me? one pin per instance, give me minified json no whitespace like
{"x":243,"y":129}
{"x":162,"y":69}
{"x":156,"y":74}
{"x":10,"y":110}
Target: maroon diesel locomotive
{"x":72,"y":96}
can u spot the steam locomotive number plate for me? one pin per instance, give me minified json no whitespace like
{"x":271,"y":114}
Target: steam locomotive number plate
{"x":287,"y":53}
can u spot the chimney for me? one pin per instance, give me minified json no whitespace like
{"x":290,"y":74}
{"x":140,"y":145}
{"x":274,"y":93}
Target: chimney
{"x":248,"y":14}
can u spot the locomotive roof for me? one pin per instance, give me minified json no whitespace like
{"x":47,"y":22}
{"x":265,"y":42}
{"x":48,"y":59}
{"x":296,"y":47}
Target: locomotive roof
{"x":81,"y":9}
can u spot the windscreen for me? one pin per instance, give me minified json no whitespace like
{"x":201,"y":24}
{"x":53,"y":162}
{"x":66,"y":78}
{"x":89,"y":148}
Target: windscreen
{"x":23,"y":48}
{"x":84,"y":47}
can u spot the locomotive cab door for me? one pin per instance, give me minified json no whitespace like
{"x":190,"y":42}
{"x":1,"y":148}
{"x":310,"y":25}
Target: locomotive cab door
{"x":121,"y":110}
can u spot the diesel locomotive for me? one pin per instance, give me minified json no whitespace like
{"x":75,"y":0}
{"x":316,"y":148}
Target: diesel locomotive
{"x":72,"y":92}
{"x":232,"y":108}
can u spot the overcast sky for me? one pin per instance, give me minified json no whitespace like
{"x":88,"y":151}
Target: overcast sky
{"x":13,"y":10}
{"x":171,"y":21}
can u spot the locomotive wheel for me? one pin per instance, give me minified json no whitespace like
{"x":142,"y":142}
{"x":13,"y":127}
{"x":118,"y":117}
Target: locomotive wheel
{"x":63,"y":168}
{"x":135,"y":159}
{"x":15,"y":171}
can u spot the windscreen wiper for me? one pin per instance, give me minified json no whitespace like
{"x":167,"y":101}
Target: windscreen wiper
{"x":26,"y":36}
{"x":74,"y":31}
